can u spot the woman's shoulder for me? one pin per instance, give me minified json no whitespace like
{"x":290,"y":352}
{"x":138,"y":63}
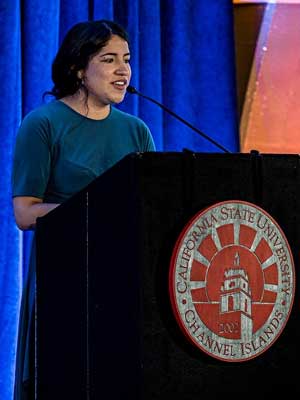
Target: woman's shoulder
{"x":44,"y":116}
{"x":44,"y":111}
{"x":125,"y":116}
{"x":40,"y":120}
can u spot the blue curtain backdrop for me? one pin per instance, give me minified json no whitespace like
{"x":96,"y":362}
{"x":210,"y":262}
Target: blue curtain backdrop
{"x":182,"y":56}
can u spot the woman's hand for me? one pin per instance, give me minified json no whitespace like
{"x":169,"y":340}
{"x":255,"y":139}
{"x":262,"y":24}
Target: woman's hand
{"x":27,"y":209}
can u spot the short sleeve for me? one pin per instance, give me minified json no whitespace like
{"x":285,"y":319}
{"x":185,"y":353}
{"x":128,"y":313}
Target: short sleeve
{"x":32,"y":157}
{"x":149,"y":142}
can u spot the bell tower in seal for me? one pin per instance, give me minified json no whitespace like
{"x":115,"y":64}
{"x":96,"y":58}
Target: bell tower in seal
{"x":235,"y":299}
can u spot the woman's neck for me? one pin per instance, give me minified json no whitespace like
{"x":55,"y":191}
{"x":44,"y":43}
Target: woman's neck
{"x":80,"y":103}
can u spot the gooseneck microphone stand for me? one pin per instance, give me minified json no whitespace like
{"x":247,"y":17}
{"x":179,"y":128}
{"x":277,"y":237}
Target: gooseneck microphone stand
{"x":133,"y":90}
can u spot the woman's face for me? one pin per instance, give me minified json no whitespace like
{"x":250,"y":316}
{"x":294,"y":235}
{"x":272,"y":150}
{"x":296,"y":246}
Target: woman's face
{"x":108,"y":73}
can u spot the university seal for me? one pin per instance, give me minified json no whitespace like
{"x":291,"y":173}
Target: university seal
{"x":232,"y":280}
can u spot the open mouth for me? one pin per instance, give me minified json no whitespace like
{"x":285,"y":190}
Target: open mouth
{"x":120,"y":84}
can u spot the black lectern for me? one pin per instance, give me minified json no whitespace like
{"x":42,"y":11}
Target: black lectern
{"x":105,"y":327}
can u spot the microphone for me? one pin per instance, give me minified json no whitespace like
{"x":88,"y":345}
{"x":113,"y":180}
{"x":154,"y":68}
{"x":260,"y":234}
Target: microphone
{"x":133,"y":90}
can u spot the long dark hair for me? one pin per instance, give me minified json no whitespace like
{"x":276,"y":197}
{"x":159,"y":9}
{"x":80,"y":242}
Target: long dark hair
{"x":81,"y":42}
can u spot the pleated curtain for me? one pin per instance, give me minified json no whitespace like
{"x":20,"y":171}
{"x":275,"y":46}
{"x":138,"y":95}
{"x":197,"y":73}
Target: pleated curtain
{"x":182,"y":56}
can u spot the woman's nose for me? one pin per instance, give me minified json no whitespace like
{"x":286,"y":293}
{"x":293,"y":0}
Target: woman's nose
{"x":123,"y":68}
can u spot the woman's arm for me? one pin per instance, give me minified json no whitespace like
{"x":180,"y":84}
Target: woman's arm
{"x":28,"y":209}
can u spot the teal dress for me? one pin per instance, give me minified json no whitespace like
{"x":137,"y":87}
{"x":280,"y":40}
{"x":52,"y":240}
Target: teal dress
{"x":58,"y":152}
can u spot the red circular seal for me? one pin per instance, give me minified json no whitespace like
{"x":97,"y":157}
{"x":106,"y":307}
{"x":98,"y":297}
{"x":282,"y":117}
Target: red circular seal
{"x":232,"y":280}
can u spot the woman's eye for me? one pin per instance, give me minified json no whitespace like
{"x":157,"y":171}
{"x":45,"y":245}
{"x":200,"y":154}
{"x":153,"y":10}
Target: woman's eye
{"x":108,"y":60}
{"x":127,"y":61}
